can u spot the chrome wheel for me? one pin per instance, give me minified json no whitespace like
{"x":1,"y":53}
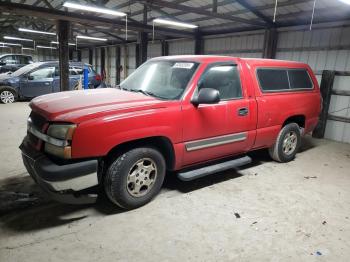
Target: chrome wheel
{"x":7,"y":97}
{"x":141,"y":177}
{"x":290,"y":143}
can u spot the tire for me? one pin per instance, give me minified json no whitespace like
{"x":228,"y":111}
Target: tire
{"x":134,"y":178}
{"x":287,"y":144}
{"x":7,"y":96}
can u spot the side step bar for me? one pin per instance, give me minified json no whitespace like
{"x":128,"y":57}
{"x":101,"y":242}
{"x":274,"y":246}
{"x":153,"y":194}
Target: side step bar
{"x":208,"y":170}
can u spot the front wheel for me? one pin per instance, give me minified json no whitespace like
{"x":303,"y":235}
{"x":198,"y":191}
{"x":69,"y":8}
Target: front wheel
{"x":287,"y":144}
{"x":7,"y":96}
{"x":134,"y":178}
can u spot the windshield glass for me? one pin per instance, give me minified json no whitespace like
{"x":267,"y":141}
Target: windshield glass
{"x":25,"y":69}
{"x":161,"y":79}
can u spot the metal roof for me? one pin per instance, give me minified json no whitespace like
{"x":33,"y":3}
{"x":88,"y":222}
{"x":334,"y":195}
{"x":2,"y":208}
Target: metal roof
{"x":211,"y":16}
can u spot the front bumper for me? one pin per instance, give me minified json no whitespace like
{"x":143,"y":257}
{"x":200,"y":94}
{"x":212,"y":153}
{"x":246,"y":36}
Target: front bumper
{"x":63,"y":183}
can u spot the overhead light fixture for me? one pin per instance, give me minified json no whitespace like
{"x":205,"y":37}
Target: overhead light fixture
{"x":91,"y":38}
{"x":5,"y":43}
{"x":4,"y":46}
{"x":18,"y":38}
{"x":345,"y":1}
{"x":28,"y":48}
{"x":45,"y":47}
{"x":93,"y":9}
{"x":35,"y":31}
{"x":56,"y":43}
{"x":173,"y":23}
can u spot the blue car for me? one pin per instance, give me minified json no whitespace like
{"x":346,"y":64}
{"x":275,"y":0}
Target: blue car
{"x":42,"y":78}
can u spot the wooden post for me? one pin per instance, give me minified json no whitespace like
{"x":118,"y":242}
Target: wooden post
{"x":63,"y":28}
{"x":326,"y":92}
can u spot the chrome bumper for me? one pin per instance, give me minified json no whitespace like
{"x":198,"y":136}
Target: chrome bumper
{"x":62,"y":182}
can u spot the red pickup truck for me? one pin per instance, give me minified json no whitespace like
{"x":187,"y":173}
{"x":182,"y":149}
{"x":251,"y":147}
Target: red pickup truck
{"x":196,"y":115}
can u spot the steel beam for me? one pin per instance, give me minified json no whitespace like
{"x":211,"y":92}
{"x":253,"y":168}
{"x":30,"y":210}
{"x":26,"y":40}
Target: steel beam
{"x":63,"y":28}
{"x":201,"y":11}
{"x":41,"y":12}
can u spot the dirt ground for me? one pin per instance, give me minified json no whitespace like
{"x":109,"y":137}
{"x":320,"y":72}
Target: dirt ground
{"x":266,"y":211}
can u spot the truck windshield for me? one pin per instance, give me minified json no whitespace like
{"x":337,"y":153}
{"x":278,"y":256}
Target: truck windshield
{"x":161,"y":79}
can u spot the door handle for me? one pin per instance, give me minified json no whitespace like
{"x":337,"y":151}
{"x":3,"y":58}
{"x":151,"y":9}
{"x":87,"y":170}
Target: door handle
{"x":243,"y":111}
{"x":47,"y":83}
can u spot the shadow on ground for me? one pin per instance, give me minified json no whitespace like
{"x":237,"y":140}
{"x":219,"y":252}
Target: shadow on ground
{"x":25,"y":207}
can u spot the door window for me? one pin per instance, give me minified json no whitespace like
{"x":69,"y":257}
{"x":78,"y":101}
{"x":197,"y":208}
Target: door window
{"x":42,"y":73}
{"x":8,"y":60}
{"x":23,"y":60}
{"x":225,"y":79}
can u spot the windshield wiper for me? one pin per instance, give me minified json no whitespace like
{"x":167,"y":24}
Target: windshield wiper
{"x":147,"y":93}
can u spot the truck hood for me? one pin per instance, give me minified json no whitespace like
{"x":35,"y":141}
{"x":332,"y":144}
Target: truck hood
{"x":82,"y":105}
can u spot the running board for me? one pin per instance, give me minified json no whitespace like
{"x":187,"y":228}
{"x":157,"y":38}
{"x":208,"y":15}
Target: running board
{"x":208,"y":170}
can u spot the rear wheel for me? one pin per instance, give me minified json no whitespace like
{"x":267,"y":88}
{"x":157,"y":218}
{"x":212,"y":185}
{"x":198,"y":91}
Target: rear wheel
{"x":287,"y":143}
{"x":134,"y":178}
{"x":7,"y":96}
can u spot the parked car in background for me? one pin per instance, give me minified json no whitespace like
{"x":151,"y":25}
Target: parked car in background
{"x":187,"y":114}
{"x":41,"y":78}
{"x":13,"y":62}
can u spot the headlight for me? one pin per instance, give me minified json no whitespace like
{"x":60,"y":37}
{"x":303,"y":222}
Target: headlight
{"x":61,"y":131}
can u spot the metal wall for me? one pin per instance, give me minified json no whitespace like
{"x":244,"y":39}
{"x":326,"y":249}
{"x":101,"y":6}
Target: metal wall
{"x":239,"y":45}
{"x":323,"y":49}
{"x":181,"y":47}
{"x":85,"y":56}
{"x":154,"y":49}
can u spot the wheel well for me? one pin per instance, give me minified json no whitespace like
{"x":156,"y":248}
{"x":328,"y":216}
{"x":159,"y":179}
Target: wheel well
{"x":299,"y":119}
{"x":163,"y":144}
{"x":9,"y":87}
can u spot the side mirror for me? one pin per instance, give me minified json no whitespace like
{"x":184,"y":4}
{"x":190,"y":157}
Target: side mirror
{"x":206,"y":96}
{"x":30,"y":77}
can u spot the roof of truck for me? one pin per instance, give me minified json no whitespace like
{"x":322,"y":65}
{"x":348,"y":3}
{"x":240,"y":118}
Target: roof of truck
{"x":214,"y":58}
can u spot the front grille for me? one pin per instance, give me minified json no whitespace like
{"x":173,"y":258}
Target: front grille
{"x":40,"y":123}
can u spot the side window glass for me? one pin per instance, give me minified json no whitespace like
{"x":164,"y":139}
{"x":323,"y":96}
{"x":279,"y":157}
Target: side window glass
{"x":273,"y":79}
{"x":9,"y":60}
{"x":42,"y":73}
{"x":299,"y":79}
{"x":225,"y":79}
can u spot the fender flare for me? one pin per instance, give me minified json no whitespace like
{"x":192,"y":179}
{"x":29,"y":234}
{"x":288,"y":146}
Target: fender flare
{"x":11,"y":88}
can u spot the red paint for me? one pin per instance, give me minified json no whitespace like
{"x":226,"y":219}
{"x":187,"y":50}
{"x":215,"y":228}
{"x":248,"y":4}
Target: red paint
{"x":109,"y":117}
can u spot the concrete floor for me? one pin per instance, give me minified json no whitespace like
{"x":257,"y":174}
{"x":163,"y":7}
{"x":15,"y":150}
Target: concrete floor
{"x":297,"y":211}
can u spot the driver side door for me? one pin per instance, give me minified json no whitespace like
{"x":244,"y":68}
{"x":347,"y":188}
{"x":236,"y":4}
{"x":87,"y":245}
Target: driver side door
{"x":213,"y":131}
{"x":39,"y":82}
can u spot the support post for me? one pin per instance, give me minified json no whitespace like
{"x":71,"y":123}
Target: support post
{"x":63,"y":28}
{"x":103,"y":64}
{"x":141,"y":48}
{"x":270,"y":43}
{"x":198,"y":44}
{"x":215,"y":6}
{"x":326,"y":92}
{"x":165,"y":48}
{"x":90,"y":56}
{"x":117,"y":64}
{"x":79,"y":55}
